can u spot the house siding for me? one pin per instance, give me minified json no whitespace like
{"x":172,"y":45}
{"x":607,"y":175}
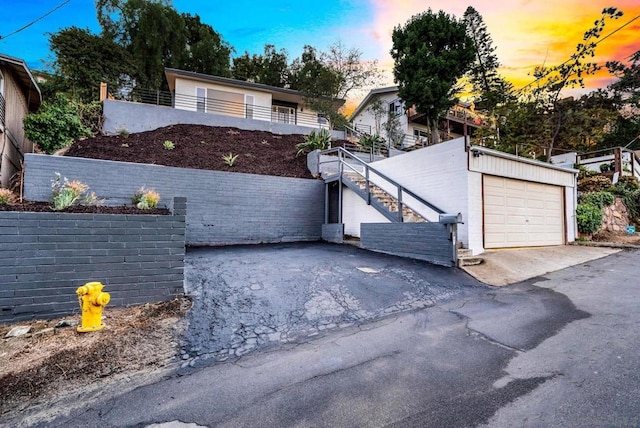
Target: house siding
{"x":520,"y":170}
{"x":437,"y":174}
{"x":185,"y":92}
{"x":366,"y":117}
{"x":12,"y":138}
{"x":355,"y":211}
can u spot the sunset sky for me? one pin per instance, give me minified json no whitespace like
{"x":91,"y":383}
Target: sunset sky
{"x":526,"y":32}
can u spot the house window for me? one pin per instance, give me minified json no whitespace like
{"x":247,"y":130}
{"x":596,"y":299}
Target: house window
{"x":283,"y":114}
{"x":201,"y":96}
{"x":395,"y":108}
{"x":249,"y":102}
{"x":420,"y":136}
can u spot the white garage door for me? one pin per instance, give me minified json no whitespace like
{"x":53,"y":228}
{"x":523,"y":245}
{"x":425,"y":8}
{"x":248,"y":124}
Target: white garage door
{"x":522,"y":214}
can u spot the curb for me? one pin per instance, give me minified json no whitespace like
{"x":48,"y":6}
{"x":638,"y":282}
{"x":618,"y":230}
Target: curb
{"x":604,"y":244}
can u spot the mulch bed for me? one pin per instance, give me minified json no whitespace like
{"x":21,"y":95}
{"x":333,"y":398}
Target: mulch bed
{"x":44,"y":207}
{"x":202,"y":147}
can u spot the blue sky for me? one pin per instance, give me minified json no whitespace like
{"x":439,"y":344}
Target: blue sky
{"x":246,"y":24}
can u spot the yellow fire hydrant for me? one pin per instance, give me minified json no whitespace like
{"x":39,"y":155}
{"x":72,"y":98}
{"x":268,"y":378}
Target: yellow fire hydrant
{"x":92,"y":299}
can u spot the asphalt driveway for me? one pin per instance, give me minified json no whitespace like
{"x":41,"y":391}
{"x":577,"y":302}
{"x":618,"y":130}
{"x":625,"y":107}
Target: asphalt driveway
{"x":260,"y":296}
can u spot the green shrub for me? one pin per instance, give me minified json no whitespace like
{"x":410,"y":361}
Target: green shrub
{"x":585,"y":172}
{"x":372,"y":141}
{"x":56,"y":125}
{"x":588,"y":217}
{"x":91,"y":116}
{"x":599,"y":199}
{"x":168,"y":145}
{"x":145,"y":199}
{"x":315,"y":141}
{"x":230,"y":159}
{"x":594,"y":184}
{"x":7,"y":197}
{"x":65,"y":193}
{"x":628,"y":182}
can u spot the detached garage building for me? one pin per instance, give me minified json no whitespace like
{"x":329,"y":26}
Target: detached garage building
{"x":506,"y":201}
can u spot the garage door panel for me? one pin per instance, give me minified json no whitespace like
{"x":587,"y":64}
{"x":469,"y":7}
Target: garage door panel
{"x":495,"y":201}
{"x":516,"y":202}
{"x":516,"y":220}
{"x":519,"y":213}
{"x":514,"y":185}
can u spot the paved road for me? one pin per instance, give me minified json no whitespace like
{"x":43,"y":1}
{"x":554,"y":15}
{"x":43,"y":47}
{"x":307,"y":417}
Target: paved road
{"x":559,"y":351}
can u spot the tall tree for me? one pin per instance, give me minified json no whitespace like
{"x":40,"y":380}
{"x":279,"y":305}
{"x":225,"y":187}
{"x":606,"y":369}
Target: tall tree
{"x":351,"y":71}
{"x":318,"y":82}
{"x":83,"y":60}
{"x":157,"y":36}
{"x":431,"y":51}
{"x":327,"y":78}
{"x":551,"y":81}
{"x":270,"y":68}
{"x":627,"y":87}
{"x":489,"y":87}
{"x":206,"y":52}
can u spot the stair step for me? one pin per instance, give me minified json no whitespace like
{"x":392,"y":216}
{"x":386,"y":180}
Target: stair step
{"x":469,"y":261}
{"x":387,"y":200}
{"x":464,"y":252}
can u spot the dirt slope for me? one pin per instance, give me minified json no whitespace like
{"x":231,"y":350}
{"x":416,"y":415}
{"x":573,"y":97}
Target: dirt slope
{"x":202,"y":147}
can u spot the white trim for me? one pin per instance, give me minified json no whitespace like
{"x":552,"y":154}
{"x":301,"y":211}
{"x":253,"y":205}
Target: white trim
{"x":201,"y":99}
{"x":249,"y":104}
{"x":509,"y":156}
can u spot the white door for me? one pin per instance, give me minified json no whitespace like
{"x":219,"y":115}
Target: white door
{"x":522,"y":214}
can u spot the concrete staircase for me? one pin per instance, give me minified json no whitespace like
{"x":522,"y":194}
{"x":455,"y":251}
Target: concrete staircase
{"x":389,"y":201}
{"x":466,"y":258}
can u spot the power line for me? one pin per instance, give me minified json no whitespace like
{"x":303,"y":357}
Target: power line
{"x":36,"y":20}
{"x":595,"y":44}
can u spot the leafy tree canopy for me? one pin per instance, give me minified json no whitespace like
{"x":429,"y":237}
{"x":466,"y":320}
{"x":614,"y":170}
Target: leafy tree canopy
{"x":489,"y":88}
{"x":431,"y":52}
{"x":157,"y":36}
{"x":270,"y":68}
{"x":83,"y":60}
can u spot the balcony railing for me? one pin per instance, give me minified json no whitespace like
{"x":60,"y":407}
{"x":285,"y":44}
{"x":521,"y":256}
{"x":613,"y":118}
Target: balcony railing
{"x":275,"y":113}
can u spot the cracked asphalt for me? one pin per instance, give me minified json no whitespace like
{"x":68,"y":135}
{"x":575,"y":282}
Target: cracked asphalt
{"x":559,"y":350}
{"x":264,"y":296}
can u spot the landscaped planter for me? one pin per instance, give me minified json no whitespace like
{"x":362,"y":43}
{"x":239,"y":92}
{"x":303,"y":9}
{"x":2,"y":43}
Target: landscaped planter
{"x":44,"y":257}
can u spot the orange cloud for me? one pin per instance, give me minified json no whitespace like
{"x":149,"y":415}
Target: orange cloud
{"x":526,"y":33}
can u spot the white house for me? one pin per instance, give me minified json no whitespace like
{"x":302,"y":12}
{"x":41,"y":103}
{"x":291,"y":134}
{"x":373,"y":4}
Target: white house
{"x":241,"y":99}
{"x":460,"y":120}
{"x":505,"y":200}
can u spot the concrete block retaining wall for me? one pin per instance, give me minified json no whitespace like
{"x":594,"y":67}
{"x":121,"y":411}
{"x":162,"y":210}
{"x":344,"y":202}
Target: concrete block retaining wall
{"x":224,"y":207}
{"x":423,"y":241}
{"x":44,"y":257}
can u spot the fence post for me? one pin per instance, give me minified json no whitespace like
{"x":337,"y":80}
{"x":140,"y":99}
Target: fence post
{"x":400,"y":206}
{"x":366,"y":183}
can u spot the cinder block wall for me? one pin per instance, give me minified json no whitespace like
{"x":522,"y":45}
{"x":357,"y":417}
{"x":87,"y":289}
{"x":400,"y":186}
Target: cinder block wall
{"x":44,"y":257}
{"x":224,"y":207}
{"x":423,"y":241}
